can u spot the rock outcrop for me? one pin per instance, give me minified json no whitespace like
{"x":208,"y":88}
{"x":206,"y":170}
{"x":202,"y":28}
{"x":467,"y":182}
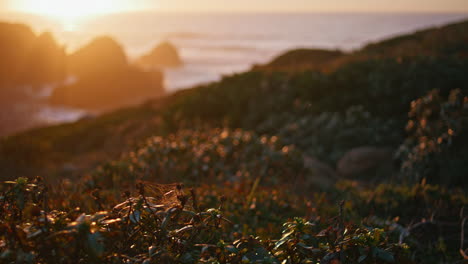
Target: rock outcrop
{"x":15,"y":40}
{"x":27,"y":59}
{"x":101,"y":56}
{"x":105,"y":80}
{"x":162,"y":56}
{"x":45,"y":62}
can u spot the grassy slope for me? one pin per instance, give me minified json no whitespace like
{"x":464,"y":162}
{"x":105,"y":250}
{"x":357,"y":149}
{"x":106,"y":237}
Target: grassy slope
{"x":449,"y":40}
{"x":384,"y":86}
{"x":82,"y":143}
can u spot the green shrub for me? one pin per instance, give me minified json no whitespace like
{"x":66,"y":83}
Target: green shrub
{"x":207,"y":156}
{"x":436,"y":146}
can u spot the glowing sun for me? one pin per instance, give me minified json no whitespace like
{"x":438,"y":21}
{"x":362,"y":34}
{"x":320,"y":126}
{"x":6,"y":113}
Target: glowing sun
{"x":73,"y":9}
{"x":71,"y":13}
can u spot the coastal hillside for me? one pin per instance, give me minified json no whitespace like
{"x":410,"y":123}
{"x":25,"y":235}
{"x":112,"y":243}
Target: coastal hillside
{"x":444,"y":41}
{"x":317,"y":157}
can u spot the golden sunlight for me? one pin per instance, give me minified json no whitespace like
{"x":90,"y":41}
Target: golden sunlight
{"x":67,"y":10}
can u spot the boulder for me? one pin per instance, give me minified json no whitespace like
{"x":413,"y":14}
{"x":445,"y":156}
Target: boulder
{"x":103,"y":55}
{"x":323,"y":176}
{"x":366,"y":162}
{"x":163,"y":55}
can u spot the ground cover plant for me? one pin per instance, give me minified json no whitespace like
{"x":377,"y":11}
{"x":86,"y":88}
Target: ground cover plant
{"x":147,"y":229}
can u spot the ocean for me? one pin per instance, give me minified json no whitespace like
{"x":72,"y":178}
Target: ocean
{"x":213,"y":45}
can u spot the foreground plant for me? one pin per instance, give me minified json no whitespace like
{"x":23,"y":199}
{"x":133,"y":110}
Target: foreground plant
{"x":166,"y":225}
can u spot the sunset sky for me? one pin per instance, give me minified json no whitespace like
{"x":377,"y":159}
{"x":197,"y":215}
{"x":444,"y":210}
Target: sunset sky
{"x":76,"y":8}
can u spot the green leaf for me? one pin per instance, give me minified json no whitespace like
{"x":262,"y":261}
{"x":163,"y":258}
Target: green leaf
{"x":96,"y":244}
{"x":232,"y":249}
{"x":135,"y":216}
{"x":284,"y":239}
{"x":384,"y":255}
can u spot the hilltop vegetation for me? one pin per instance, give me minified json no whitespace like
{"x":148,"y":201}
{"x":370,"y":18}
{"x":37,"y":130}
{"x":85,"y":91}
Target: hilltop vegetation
{"x":362,"y":156}
{"x":441,"y":42}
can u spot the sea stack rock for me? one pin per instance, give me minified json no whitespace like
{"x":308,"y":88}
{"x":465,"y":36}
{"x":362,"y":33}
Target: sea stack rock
{"x":45,"y":62}
{"x":105,"y":80}
{"x":15,"y":39}
{"x":102,"y":55}
{"x":27,"y":59}
{"x":165,"y":55}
